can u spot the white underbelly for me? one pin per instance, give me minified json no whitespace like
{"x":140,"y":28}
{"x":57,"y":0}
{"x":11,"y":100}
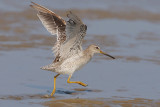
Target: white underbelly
{"x":70,"y":65}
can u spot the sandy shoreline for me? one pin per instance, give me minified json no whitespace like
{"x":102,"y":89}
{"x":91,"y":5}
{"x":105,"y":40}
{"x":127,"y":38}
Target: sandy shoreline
{"x":126,"y":29}
{"x":70,"y":102}
{"x":137,"y":102}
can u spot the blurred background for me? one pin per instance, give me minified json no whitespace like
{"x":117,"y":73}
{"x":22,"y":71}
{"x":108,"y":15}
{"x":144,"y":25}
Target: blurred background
{"x":127,"y":29}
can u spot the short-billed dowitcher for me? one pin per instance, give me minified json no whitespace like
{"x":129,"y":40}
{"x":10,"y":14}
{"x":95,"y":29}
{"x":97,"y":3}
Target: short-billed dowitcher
{"x":69,"y":55}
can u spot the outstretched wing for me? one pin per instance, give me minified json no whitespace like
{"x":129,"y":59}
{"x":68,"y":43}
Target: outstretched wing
{"x":75,"y":31}
{"x":69,"y":34}
{"x":53,"y":23}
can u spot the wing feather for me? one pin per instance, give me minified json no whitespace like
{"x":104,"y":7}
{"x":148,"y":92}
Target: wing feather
{"x":75,"y":31}
{"x":69,"y":34}
{"x":53,"y":23}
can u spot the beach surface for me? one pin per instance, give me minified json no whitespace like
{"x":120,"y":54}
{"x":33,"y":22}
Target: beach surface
{"x":126,"y":29}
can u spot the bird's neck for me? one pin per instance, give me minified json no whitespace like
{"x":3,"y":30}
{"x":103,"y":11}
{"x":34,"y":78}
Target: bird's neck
{"x":88,"y":52}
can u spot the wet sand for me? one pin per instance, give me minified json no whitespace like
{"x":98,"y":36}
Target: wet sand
{"x":94,"y":102}
{"x":137,"y":102}
{"x":129,"y":33}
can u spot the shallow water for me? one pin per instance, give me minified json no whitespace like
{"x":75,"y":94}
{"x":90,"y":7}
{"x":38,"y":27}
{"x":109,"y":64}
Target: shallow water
{"x":119,"y":28}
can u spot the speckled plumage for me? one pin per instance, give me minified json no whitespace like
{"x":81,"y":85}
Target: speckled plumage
{"x":69,"y":55}
{"x":71,"y":64}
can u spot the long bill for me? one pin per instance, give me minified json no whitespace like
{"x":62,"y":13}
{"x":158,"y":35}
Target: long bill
{"x":107,"y":55}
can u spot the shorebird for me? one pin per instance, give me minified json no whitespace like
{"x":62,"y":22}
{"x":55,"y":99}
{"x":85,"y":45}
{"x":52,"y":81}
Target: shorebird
{"x":68,"y":52}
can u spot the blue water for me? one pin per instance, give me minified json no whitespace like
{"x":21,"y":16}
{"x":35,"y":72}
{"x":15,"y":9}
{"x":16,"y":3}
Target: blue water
{"x":133,"y":74}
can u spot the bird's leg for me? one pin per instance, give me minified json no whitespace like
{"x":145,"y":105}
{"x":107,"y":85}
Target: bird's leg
{"x":78,"y":82}
{"x":54,"y":89}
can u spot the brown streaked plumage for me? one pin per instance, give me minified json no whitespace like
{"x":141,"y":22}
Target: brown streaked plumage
{"x":54,"y":24}
{"x":69,"y":55}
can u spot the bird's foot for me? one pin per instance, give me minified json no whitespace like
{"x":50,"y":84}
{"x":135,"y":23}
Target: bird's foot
{"x":53,"y":92}
{"x":83,"y":84}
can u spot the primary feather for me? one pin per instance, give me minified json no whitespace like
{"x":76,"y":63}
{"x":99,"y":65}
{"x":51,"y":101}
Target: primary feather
{"x":69,"y":33}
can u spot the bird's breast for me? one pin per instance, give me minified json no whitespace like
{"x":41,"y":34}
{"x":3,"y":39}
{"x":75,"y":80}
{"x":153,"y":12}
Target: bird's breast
{"x":75,"y":63}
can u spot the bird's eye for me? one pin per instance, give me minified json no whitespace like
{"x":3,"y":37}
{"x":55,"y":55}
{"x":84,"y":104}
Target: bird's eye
{"x":97,"y":47}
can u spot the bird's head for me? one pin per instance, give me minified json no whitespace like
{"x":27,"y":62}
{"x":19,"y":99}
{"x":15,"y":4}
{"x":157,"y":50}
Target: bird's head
{"x":96,"y":49}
